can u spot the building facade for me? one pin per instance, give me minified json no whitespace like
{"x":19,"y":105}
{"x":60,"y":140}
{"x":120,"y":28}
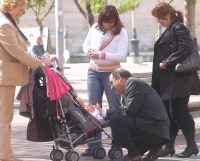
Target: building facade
{"x":77,"y":26}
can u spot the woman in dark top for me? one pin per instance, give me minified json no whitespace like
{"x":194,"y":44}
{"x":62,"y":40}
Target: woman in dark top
{"x":173,"y":46}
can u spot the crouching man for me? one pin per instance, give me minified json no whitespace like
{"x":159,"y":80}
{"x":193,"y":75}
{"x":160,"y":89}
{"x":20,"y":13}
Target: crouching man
{"x":144,"y":125}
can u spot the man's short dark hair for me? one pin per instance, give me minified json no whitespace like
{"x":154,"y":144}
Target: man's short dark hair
{"x":121,"y":73}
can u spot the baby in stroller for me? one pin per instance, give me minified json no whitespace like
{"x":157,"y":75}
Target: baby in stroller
{"x":94,"y":110}
{"x":71,"y":122}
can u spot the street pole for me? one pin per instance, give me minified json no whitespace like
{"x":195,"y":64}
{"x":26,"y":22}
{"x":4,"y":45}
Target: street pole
{"x":134,"y":56}
{"x":59,"y":33}
{"x":66,"y":47}
{"x":133,"y":24}
{"x":134,"y":40}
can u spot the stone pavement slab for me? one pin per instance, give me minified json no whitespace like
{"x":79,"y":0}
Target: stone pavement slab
{"x":77,"y":75}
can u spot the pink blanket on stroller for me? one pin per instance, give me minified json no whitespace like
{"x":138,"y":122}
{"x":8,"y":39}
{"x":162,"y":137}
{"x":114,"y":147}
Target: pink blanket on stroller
{"x":56,"y":87}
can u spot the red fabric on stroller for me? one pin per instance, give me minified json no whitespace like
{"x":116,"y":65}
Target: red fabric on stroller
{"x":56,"y":87}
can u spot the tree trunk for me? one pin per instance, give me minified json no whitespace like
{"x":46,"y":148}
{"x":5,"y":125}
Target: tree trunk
{"x":80,"y":9}
{"x":90,"y":15}
{"x":190,"y":6}
{"x":40,"y":26}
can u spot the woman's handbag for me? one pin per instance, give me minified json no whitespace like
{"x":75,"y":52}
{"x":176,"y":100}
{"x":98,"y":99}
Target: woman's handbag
{"x":192,"y":62}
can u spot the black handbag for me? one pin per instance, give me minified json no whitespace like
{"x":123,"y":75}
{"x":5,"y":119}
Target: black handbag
{"x":192,"y":62}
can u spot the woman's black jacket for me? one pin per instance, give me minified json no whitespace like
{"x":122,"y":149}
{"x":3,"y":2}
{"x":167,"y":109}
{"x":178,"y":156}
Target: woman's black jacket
{"x":173,"y":46}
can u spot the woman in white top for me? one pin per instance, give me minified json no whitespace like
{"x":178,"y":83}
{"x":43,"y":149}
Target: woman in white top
{"x":106,"y":46}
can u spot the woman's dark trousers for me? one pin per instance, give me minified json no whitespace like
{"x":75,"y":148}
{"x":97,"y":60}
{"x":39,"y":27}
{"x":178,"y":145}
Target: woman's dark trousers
{"x":180,"y":118}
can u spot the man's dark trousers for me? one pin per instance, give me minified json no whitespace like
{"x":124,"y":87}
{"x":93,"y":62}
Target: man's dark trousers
{"x":128,"y":136}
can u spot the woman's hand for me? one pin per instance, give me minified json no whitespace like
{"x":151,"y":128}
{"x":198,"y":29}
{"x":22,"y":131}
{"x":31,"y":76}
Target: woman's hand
{"x":94,"y":54}
{"x":90,"y":52}
{"x":46,"y":61}
{"x":162,"y":66}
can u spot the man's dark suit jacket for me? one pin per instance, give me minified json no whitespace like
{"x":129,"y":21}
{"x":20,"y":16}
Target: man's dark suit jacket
{"x":142,"y":102}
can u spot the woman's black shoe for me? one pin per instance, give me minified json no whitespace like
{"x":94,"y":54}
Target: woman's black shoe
{"x":189,"y":151}
{"x":166,"y":151}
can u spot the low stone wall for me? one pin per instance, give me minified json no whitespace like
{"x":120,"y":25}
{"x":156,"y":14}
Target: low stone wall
{"x":194,"y":103}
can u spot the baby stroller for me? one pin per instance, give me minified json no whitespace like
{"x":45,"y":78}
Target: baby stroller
{"x":71,"y":125}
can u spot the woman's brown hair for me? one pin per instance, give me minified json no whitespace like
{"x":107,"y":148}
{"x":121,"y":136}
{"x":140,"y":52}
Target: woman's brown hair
{"x":109,"y":14}
{"x":162,"y":9}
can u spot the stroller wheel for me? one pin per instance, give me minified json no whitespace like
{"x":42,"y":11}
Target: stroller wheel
{"x":98,"y":153}
{"x":93,"y":152}
{"x":115,"y":153}
{"x":56,"y":155}
{"x":72,"y":156}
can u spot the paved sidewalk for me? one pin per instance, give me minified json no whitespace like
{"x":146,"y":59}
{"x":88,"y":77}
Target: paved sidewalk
{"x":77,"y":75}
{"x":30,"y":151}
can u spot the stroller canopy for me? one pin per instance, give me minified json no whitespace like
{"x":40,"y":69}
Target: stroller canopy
{"x":56,"y":87}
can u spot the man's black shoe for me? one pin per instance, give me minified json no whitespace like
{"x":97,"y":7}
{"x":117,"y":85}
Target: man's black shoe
{"x":87,"y":153}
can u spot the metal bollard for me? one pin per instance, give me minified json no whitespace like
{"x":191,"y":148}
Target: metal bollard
{"x":134,"y":44}
{"x":135,"y":47}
